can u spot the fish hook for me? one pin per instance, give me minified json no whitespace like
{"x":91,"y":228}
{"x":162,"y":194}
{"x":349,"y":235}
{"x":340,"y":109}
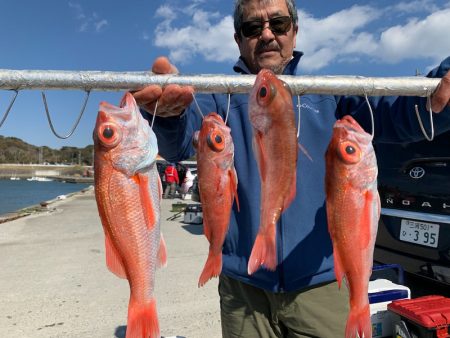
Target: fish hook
{"x":431,"y":120}
{"x":9,"y":108}
{"x":198,"y":107}
{"x":88,"y":92}
{"x":228,"y":108}
{"x":371,"y":114}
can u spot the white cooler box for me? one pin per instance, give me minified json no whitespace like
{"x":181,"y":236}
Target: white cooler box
{"x":381,"y":293}
{"x":193,"y":214}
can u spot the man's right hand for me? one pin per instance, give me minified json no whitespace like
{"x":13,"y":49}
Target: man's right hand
{"x":172,"y":99}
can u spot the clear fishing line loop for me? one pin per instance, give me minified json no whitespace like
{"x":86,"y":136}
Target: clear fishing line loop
{"x":431,"y":120}
{"x":154,"y":114}
{"x":83,"y":108}
{"x":228,"y":108}
{"x":198,"y":107}
{"x":371,"y":114}
{"x":9,"y":107}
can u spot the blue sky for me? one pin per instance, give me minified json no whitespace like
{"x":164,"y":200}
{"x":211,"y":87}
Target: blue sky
{"x":368,"y":38}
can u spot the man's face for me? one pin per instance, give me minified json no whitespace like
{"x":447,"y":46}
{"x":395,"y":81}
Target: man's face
{"x":266,"y":50}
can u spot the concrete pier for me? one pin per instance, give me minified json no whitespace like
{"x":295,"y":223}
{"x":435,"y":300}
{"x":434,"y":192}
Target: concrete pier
{"x":54,"y":281}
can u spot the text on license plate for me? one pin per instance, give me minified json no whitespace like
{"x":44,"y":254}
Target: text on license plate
{"x":419,"y":232}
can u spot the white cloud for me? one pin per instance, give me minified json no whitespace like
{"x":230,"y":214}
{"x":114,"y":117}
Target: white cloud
{"x":325,"y":40}
{"x":198,"y":38}
{"x":406,"y":30}
{"x":88,"y":22}
{"x":426,"y":38}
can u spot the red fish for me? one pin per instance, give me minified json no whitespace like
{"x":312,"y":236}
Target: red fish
{"x":217,"y":181}
{"x":353,"y":211}
{"x":275,"y":147}
{"x":128,"y":194}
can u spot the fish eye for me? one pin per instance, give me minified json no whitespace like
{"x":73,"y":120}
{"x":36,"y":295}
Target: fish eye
{"x":216,"y":140}
{"x":349,"y":152}
{"x":266,"y":94}
{"x":263,"y":92}
{"x":109,"y":134}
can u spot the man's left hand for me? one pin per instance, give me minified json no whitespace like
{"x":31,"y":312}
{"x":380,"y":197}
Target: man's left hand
{"x":441,"y":97}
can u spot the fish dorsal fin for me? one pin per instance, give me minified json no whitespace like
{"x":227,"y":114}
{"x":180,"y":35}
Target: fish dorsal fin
{"x":338,"y":270}
{"x":293,"y":190}
{"x":259,"y":151}
{"x":162,"y":253}
{"x":146,"y":200}
{"x":366,"y":219}
{"x":113,"y":260}
{"x":233,"y":182}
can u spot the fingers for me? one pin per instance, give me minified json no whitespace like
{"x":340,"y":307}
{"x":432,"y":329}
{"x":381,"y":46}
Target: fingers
{"x":163,"y":66}
{"x":172,"y":99}
{"x":441,"y":97}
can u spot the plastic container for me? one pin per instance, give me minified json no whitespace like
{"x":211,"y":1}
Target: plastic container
{"x":193,"y":214}
{"x":424,"y":317}
{"x":381,"y":293}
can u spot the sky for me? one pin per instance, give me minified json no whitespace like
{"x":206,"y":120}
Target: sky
{"x":367,"y":38}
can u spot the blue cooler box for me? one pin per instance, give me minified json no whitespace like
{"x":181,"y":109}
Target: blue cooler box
{"x":381,"y":293}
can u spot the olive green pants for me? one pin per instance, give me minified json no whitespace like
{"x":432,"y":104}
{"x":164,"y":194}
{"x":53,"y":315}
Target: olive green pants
{"x":251,"y":312}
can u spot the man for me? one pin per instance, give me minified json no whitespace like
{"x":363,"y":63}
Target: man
{"x":300,"y":298}
{"x":172,"y":180}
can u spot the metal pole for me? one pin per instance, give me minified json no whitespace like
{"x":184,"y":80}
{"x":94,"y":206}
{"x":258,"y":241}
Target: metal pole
{"x":122,"y":81}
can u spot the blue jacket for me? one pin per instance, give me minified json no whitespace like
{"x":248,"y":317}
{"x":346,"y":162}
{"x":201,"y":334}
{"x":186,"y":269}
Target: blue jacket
{"x":304,"y":247}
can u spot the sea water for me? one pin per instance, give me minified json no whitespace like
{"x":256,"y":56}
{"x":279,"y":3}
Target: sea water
{"x":15,"y":195}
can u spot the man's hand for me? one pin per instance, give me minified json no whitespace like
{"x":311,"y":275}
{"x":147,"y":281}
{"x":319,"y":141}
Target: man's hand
{"x":172,"y":99}
{"x":441,"y":97}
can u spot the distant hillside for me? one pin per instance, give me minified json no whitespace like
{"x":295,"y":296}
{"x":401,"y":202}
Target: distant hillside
{"x":14,"y":150}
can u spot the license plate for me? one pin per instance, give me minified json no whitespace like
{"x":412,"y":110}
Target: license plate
{"x":419,"y":233}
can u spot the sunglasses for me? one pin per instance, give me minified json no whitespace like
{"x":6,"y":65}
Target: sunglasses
{"x":278,"y":25}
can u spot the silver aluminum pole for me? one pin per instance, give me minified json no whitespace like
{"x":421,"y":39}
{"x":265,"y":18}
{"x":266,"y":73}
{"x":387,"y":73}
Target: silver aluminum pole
{"x":122,"y":81}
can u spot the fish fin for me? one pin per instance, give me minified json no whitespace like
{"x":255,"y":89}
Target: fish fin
{"x":142,"y":320}
{"x":366,"y":219}
{"x":358,"y":322}
{"x":146,"y":201}
{"x":264,"y":251}
{"x":304,"y":151}
{"x":212,"y":268}
{"x":338,"y":271}
{"x":162,"y":253}
{"x":113,"y":260}
{"x":293,"y":190}
{"x":234,"y":182}
{"x":258,"y":150}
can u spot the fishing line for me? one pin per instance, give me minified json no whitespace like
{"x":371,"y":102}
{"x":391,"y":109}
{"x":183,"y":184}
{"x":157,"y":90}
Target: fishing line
{"x":198,"y":107}
{"x":154,"y":114}
{"x":9,"y":108}
{"x":371,"y":114}
{"x":88,"y":92}
{"x":298,"y":123}
{"x":431,"y":120}
{"x":228,"y":108}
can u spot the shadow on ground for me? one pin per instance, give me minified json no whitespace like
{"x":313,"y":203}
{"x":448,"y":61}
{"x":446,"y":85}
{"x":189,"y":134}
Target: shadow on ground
{"x":121,"y":332}
{"x":195,"y":229}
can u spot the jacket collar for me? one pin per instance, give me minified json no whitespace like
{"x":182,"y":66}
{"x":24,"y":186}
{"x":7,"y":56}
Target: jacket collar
{"x":290,"y":69}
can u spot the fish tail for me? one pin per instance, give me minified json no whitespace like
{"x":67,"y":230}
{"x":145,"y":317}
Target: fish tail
{"x":213,"y":267}
{"x":142,"y":320}
{"x":358,"y":323}
{"x":263,"y":253}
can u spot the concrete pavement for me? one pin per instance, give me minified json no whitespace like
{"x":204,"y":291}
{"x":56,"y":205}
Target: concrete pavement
{"x":54,"y":281}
